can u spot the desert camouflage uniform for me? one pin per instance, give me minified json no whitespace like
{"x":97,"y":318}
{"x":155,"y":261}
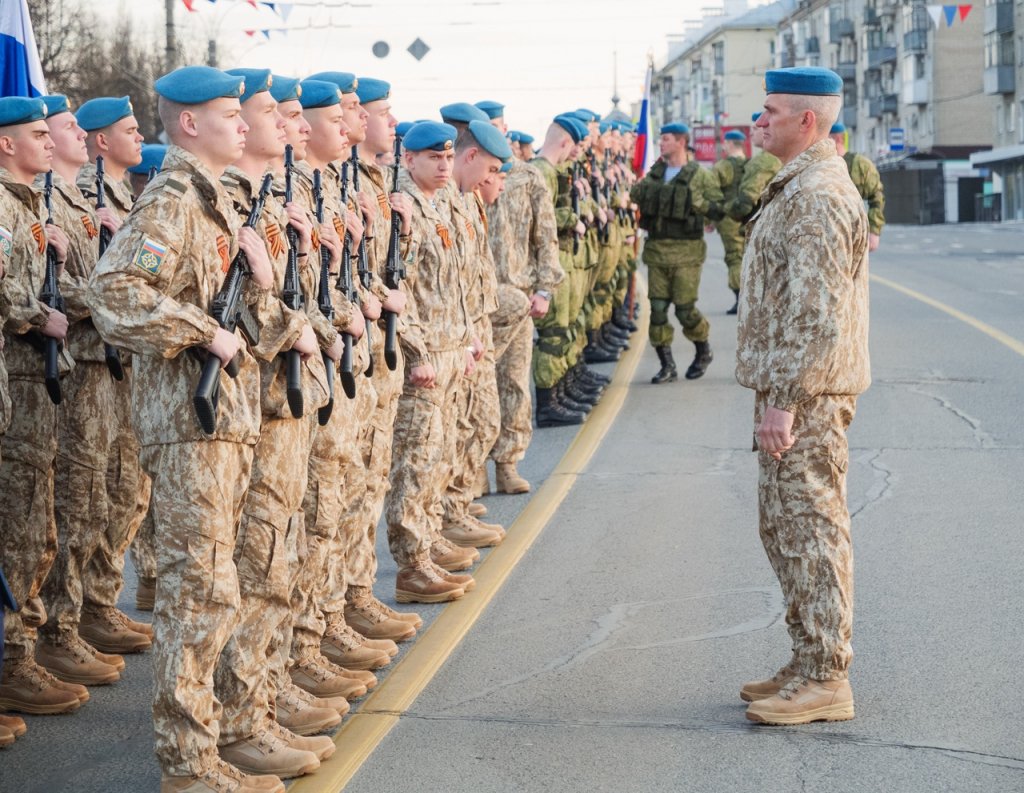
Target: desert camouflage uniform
{"x":86,"y":421}
{"x":437,"y":333}
{"x":524,"y":244}
{"x":803,"y":347}
{"x":869,"y":184}
{"x":28,"y":533}
{"x":128,"y":487}
{"x":268,"y":535}
{"x":151,"y":294}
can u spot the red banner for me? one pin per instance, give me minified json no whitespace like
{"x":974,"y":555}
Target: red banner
{"x":704,"y":141}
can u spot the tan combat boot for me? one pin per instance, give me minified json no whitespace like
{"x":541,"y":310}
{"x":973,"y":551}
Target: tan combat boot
{"x":467,"y":582}
{"x":355,"y":592}
{"x":294,"y":714}
{"x":290,"y":692}
{"x":762,"y":689}
{"x":29,"y":688}
{"x":220,"y":777}
{"x":145,"y":628}
{"x":321,"y":678}
{"x":363,"y":614}
{"x":482,"y":486}
{"x":145,"y":594}
{"x":104,"y":629}
{"x":6,"y":736}
{"x":418,"y":583}
{"x":347,"y":649}
{"x":265,"y":753}
{"x":452,"y":557}
{"x":15,"y":724}
{"x":110,"y":659}
{"x":470,"y":532}
{"x":508,"y":480}
{"x":68,"y":658}
{"x":476,"y":510}
{"x":801,"y":701}
{"x":320,"y":745}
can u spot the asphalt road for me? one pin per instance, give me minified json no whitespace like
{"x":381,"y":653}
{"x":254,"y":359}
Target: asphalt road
{"x":611,"y":659}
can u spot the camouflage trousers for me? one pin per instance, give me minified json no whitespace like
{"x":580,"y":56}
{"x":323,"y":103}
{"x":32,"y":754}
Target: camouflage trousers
{"x":424,"y":446}
{"x":556,"y":330}
{"x":731,"y":232}
{"x":674,"y":269}
{"x":266,"y":554}
{"x":128,"y":493}
{"x":28,"y":531}
{"x":603,"y":289}
{"x":805,"y":528}
{"x":198,"y":492}
{"x":478,"y":422}
{"x":513,"y":345}
{"x":85,"y":435}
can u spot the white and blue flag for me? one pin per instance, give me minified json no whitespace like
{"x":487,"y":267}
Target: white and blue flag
{"x":21,"y":73}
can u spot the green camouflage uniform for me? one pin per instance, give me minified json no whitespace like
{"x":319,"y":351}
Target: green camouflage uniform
{"x":729,"y":172}
{"x":869,"y":184}
{"x":757,"y":173}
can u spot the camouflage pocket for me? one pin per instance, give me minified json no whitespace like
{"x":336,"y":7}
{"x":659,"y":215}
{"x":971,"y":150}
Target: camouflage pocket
{"x":207,"y":571}
{"x":261,"y":558}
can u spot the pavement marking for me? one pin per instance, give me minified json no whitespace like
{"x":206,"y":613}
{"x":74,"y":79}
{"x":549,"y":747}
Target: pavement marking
{"x":383,"y":708}
{"x":1003,"y":338}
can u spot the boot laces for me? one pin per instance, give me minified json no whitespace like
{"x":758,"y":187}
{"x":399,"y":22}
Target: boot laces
{"x":793,"y":687}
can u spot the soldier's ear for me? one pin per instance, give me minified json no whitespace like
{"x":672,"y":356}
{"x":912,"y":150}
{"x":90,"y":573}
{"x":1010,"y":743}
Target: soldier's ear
{"x":7,"y":145}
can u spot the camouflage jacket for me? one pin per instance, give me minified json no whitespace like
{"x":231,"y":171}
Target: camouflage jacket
{"x":151,"y":293}
{"x":803,"y":305}
{"x":757,"y":173}
{"x":479,"y":278}
{"x":557,"y":183}
{"x":438,"y":311}
{"x":869,"y":184}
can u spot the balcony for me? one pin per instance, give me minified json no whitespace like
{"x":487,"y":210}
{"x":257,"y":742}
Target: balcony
{"x":871,"y":19}
{"x":882,"y":104}
{"x":915,"y":40}
{"x":999,"y":80}
{"x":880,"y":55}
{"x":999,"y":17}
{"x":812,"y":46}
{"x":839,"y":29}
{"x":915,"y":92}
{"x":849,"y":117}
{"x":848,"y":71}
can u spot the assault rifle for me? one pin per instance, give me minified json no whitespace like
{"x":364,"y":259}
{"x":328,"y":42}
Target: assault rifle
{"x":394,"y":272}
{"x":575,"y":205}
{"x":292,"y":295}
{"x":110,"y":353}
{"x":323,"y":299}
{"x":52,"y":298}
{"x":346,"y":285}
{"x":365,"y":278}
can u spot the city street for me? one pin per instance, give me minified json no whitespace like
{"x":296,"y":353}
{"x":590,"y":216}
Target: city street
{"x":611,"y":657}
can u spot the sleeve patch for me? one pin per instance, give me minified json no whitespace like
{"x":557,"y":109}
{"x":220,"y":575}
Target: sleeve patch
{"x":6,"y":241}
{"x":150,"y":256}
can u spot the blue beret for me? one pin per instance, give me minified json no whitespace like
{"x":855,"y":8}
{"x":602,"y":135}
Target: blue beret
{"x":319,"y":93}
{"x":675,"y":128}
{"x":56,"y":103}
{"x":756,"y":116}
{"x":491,"y":108}
{"x":524,"y":138}
{"x":735,"y":134}
{"x":403,"y":127}
{"x":193,"y":85}
{"x":838,"y":128}
{"x":346,"y":81}
{"x":103,"y":111}
{"x":572,"y":126}
{"x":152,"y":157}
{"x":21,"y":110}
{"x":285,"y":89}
{"x":507,"y":166}
{"x":587,"y":116}
{"x":370,"y":90}
{"x":809,"y":80}
{"x":256,"y":81}
{"x":606,"y":126}
{"x":463,"y":112}
{"x":430,"y":135}
{"x":490,"y":139}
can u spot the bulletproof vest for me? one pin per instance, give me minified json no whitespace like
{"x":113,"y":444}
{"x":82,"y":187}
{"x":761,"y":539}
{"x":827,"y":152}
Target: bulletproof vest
{"x":731,"y":189}
{"x":666,"y":210}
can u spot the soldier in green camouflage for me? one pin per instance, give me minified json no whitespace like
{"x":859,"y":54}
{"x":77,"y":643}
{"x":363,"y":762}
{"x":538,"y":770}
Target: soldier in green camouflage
{"x":867,"y":181}
{"x":675,"y":198}
{"x":729,"y":172}
{"x":757,"y":173}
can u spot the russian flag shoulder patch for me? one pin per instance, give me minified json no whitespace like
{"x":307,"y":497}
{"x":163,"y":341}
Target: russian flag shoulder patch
{"x":150,"y":255}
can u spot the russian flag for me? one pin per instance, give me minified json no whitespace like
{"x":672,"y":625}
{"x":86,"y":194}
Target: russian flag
{"x":21,"y":73}
{"x":640,"y":161}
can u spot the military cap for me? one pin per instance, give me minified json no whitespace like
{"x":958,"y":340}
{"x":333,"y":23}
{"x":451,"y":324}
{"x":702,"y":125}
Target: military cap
{"x":490,"y":139}
{"x":319,"y":93}
{"x":21,"y":110}
{"x":56,"y":103}
{"x":491,"y":108}
{"x":194,"y":85}
{"x":571,"y":125}
{"x":675,"y":128}
{"x":152,"y":157}
{"x":507,"y":166}
{"x":433,"y":135}
{"x":346,"y":81}
{"x":587,"y":116}
{"x":103,"y":111}
{"x":838,"y":128}
{"x":403,"y":127}
{"x":756,"y":116}
{"x":606,"y":126}
{"x":286,"y":89}
{"x":735,"y":134}
{"x":463,"y":112}
{"x":256,"y":81}
{"x":371,"y":89}
{"x":808,"y":80}
{"x":520,"y":137}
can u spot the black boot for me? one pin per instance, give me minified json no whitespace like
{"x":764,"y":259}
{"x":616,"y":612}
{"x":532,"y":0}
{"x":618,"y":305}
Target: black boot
{"x":565,"y":400}
{"x":595,"y":352}
{"x":580,"y":393}
{"x":551,"y":414}
{"x":622,"y":320}
{"x":617,"y":337}
{"x":668,"y":372}
{"x":591,"y":377}
{"x":700,"y":361}
{"x":735,"y":306}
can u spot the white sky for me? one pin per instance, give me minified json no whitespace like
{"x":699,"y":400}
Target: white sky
{"x":538,"y":57}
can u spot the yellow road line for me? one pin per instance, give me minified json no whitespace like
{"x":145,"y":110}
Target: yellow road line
{"x":382,"y":709}
{"x":1003,"y":338}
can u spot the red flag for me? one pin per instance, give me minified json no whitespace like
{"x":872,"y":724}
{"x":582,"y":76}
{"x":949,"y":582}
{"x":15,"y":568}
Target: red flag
{"x":188,"y":4}
{"x":964,"y":11}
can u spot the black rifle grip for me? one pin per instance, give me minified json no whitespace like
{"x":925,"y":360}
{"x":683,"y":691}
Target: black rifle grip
{"x":294,"y":363}
{"x":323,"y":414}
{"x":205,"y":399}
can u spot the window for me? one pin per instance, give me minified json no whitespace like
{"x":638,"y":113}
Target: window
{"x":1011,"y":117}
{"x":999,"y":49}
{"x":1020,"y":127}
{"x":999,"y":119}
{"x":718,"y":53}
